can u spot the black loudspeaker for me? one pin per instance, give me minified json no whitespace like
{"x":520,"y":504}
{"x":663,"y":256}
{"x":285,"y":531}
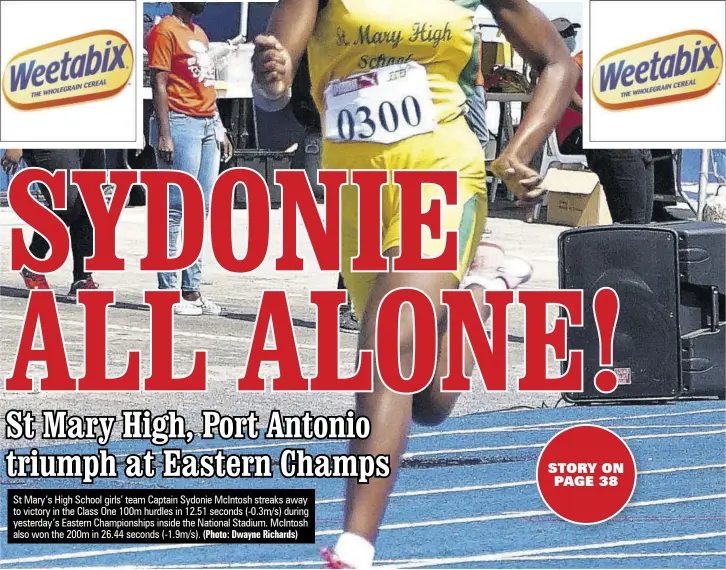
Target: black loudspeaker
{"x":670,"y":339}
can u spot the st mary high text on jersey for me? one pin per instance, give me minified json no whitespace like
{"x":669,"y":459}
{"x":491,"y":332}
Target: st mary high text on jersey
{"x":462,"y":317}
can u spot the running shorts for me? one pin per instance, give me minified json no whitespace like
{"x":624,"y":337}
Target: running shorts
{"x":451,"y":146}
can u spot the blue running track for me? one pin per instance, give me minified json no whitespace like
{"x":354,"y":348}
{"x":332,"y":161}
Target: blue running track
{"x":466,"y":498}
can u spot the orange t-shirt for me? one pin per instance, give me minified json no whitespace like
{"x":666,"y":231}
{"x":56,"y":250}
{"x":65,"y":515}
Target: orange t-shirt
{"x":571,"y":119}
{"x":183,"y":51}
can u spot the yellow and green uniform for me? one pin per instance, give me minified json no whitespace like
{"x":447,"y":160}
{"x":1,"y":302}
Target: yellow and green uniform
{"x":353,"y":38}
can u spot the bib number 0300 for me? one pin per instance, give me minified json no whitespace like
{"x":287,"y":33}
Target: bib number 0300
{"x":384,"y":106}
{"x":387,"y":118}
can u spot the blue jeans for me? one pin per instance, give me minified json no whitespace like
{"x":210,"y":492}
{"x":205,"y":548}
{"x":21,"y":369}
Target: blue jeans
{"x":196,"y":152}
{"x":476,"y":117}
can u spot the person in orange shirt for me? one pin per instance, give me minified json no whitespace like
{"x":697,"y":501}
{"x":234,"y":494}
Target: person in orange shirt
{"x":185,"y":130}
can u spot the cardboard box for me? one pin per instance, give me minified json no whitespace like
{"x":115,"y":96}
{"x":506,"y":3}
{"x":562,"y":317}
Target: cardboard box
{"x":575,"y":198}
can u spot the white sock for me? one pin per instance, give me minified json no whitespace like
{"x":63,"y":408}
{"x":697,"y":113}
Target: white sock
{"x":487,"y":283}
{"x":498,"y":284}
{"x":355,"y":550}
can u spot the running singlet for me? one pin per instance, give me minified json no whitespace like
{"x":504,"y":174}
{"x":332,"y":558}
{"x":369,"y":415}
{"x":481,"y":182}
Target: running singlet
{"x":390,"y":80}
{"x":382,"y":71}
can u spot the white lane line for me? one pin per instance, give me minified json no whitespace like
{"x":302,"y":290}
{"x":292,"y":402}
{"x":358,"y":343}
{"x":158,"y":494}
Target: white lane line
{"x":177,"y":333}
{"x":398,"y":526}
{"x":514,"y":556}
{"x":508,"y":485}
{"x":410,"y":454}
{"x":413,"y":560}
{"x":509,"y":429}
{"x":520,"y":484}
{"x":686,"y":468}
{"x":517,"y":555}
{"x":90,"y":553}
{"x":505,"y":429}
{"x":527,"y":514}
{"x":565,"y":423}
{"x":609,"y":426}
{"x":317,"y":563}
{"x":627,"y":555}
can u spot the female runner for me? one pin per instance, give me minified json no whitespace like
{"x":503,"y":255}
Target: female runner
{"x":419,"y":56}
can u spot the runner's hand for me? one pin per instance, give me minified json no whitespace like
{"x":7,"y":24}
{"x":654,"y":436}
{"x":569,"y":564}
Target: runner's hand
{"x":272,"y":66}
{"x":521,"y":180}
{"x":166,"y":149}
{"x":11,"y":160}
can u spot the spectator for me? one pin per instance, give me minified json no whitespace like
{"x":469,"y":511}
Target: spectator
{"x":626,"y":175}
{"x":477,"y":104}
{"x":627,"y":180}
{"x":74,"y":215}
{"x":185,"y":130}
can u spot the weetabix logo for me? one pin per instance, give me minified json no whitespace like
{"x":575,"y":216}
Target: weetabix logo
{"x":671,"y":68}
{"x":82,"y":68}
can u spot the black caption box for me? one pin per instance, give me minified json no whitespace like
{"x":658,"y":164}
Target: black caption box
{"x":158,"y":516}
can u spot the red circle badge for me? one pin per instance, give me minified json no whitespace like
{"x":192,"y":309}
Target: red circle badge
{"x":586,"y":474}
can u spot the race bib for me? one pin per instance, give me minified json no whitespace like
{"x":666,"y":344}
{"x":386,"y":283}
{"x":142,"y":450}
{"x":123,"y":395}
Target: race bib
{"x":384,"y":106}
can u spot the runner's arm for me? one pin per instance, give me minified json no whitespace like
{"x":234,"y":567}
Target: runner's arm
{"x":535,"y":38}
{"x":292,"y":23}
{"x":576,"y":104}
{"x":278,"y":52}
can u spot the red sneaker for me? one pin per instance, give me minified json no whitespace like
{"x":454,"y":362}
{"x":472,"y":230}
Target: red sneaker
{"x":332,"y":560}
{"x":88,"y":283}
{"x":34,"y":280}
